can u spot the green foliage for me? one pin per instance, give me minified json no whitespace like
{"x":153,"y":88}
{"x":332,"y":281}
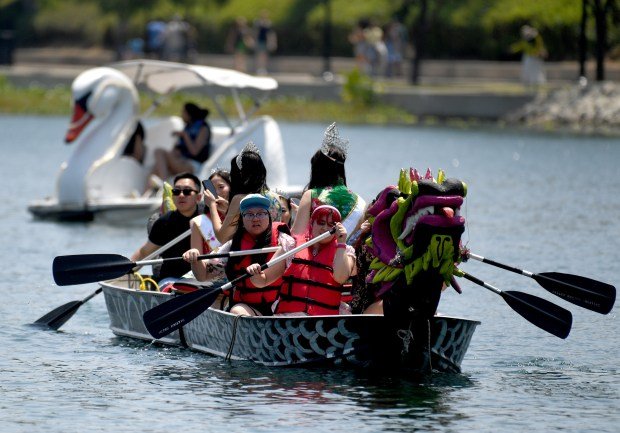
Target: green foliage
{"x":539,"y":13}
{"x":37,"y":100}
{"x":496,"y":24}
{"x":33,"y":100}
{"x":358,"y":89}
{"x":482,"y":29}
{"x":71,"y":21}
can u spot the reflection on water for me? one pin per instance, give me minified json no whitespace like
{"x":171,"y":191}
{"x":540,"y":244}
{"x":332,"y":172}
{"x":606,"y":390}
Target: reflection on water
{"x":241,"y":388}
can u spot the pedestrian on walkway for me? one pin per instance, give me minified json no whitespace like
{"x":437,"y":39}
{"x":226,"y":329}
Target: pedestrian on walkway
{"x":239,"y":42}
{"x":265,"y":42}
{"x":176,"y":40}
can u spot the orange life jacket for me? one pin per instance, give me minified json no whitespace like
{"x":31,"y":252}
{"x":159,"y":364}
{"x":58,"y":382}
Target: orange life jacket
{"x":245,"y":291}
{"x":309,"y":284}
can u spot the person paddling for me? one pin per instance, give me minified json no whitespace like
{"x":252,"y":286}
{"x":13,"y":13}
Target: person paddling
{"x":256,"y":230}
{"x":313,"y":281}
{"x":185,"y":195}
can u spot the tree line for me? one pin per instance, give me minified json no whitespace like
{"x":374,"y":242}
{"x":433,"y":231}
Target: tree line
{"x":457,"y":29}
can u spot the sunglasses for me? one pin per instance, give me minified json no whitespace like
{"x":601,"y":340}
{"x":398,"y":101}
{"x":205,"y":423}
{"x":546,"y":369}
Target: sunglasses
{"x":259,"y":215}
{"x":184,"y":191}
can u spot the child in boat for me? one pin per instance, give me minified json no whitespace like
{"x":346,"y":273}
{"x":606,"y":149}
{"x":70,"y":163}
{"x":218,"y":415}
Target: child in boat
{"x":248,"y":175}
{"x":313,"y":280}
{"x":328,"y":185}
{"x":255,"y":231}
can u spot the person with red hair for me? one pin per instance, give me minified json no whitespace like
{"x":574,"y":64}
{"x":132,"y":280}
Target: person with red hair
{"x":312,"y":281}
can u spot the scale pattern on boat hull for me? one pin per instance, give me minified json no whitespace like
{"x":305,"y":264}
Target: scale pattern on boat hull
{"x":356,"y":340}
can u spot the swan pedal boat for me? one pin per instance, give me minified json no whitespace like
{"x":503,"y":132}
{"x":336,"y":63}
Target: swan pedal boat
{"x":97,"y":180}
{"x":356,"y":341}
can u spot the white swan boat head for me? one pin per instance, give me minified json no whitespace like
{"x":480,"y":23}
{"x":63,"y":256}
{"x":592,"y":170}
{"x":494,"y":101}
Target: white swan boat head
{"x":97,"y":180}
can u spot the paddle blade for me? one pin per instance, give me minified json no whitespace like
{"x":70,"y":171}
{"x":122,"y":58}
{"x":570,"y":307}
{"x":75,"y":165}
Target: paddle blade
{"x":585,"y":292}
{"x":540,"y":312}
{"x":178,"y":311}
{"x":58,"y":316}
{"x":89,"y":268}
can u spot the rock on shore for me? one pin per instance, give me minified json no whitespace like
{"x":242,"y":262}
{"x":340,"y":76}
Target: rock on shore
{"x":591,"y":108}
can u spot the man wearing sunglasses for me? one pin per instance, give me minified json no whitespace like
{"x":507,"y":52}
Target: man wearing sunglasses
{"x":186,"y":196}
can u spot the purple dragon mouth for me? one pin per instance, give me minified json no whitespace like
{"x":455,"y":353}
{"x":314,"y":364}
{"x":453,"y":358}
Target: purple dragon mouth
{"x":436,"y":211}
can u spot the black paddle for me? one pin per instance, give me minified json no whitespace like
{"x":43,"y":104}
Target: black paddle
{"x":585,"y":292}
{"x":89,"y":268}
{"x":58,"y":316}
{"x":179,"y":311}
{"x":540,"y":312}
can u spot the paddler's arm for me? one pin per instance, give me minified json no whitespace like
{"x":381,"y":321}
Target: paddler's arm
{"x":199,"y":268}
{"x":206,"y":269}
{"x":196,"y":236}
{"x":147,"y":248}
{"x":344,"y":259}
{"x":224,"y":230}
{"x":264,"y":278}
{"x":302,"y":219}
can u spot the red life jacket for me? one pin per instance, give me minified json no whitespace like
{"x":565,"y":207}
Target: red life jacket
{"x":309,"y":284}
{"x":245,"y":291}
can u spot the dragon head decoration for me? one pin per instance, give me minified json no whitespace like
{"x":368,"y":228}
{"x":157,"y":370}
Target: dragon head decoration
{"x":415,"y":242}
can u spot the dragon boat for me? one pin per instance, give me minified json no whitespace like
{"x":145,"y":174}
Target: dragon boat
{"x":354,"y":340}
{"x":408,"y":259}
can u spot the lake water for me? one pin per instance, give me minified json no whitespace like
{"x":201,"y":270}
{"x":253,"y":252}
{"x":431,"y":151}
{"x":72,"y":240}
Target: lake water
{"x":538,"y":202}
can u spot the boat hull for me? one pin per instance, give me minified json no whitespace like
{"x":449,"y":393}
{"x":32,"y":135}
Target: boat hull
{"x":121,"y":210}
{"x":352,"y":340}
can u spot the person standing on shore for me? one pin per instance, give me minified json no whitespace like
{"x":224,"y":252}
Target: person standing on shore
{"x":176,"y":40}
{"x":239,"y":42}
{"x":154,"y":38}
{"x":533,"y":52}
{"x":265,"y":42}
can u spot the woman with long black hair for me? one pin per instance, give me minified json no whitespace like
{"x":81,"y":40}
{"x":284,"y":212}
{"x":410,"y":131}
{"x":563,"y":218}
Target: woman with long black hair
{"x":192,"y":147}
{"x":248,"y":175}
{"x":328,"y":185}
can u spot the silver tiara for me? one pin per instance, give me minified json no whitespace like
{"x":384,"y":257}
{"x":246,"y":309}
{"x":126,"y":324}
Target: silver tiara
{"x":248,"y":148}
{"x":217,"y":169}
{"x":331,"y":139}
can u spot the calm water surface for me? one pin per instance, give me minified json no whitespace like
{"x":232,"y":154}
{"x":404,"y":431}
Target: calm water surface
{"x":538,"y":202}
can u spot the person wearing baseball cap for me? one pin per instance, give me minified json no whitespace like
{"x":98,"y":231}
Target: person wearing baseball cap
{"x":254,"y":231}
